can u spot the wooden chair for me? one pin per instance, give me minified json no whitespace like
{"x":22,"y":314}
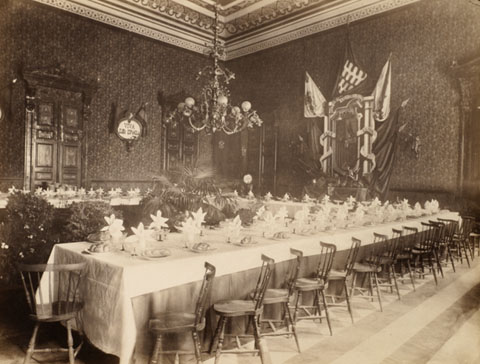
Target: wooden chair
{"x":342,"y":276}
{"x":178,"y":322}
{"x":284,"y":296}
{"x":462,"y":238}
{"x":370,"y":269}
{"x":424,"y":252}
{"x":404,"y":256}
{"x":386,"y":257}
{"x":52,"y":293}
{"x":317,"y":286}
{"x":448,"y":243}
{"x":251,"y":309}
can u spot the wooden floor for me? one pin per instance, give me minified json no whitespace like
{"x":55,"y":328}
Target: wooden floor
{"x":435,"y":324}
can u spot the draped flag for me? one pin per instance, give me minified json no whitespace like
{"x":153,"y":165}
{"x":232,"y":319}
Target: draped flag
{"x":351,"y":76}
{"x":384,"y":149}
{"x":314,"y":100}
{"x":382,"y":93}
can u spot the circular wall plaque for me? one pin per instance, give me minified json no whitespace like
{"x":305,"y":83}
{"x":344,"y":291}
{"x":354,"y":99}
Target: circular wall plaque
{"x":129,"y":129}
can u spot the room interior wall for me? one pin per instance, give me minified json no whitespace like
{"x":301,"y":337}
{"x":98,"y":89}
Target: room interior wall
{"x":423,"y":38}
{"x":130,"y":70}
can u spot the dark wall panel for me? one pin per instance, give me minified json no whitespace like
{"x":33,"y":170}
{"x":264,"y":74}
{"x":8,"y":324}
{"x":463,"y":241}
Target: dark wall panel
{"x":424,"y":39}
{"x":130,"y":70}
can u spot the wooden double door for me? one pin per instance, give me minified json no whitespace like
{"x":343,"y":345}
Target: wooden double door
{"x":56,"y":134}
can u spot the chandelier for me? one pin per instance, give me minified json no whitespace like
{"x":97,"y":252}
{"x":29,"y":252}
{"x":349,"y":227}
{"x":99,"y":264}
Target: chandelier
{"x":213,"y":110}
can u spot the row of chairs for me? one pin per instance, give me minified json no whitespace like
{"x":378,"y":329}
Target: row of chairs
{"x":407,"y":251}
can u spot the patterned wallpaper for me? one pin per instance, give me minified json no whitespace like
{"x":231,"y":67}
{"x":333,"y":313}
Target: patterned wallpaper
{"x":130,"y":70}
{"x":424,"y":39}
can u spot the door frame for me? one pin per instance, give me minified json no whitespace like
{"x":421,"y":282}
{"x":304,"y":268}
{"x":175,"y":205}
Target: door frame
{"x":54,"y":77}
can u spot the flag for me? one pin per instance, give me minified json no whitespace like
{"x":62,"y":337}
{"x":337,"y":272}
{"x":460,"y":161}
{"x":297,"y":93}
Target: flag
{"x":350,"y":76}
{"x":382,"y":93}
{"x":314,"y":100}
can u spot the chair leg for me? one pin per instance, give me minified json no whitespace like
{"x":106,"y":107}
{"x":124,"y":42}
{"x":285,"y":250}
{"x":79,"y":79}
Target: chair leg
{"x":437,"y":259}
{"x":317,"y":306}
{"x":295,"y":312}
{"x":450,"y":256}
{"x":260,"y":342}
{"x":326,"y":311}
{"x":71,"y":356}
{"x":370,"y":286}
{"x":430,"y":261}
{"x":156,"y":350}
{"x":378,"y":290}
{"x":347,"y":298}
{"x":352,"y":287}
{"x":31,"y":344}
{"x":395,"y":281}
{"x":293,"y":325}
{"x":412,"y":278}
{"x":197,"y":346}
{"x":213,"y":343}
{"x":222,"y":323}
{"x":464,"y":244}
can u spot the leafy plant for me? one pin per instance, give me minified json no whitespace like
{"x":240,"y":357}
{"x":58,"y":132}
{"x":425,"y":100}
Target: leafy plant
{"x":187,"y":190}
{"x":28,"y":234}
{"x":86,"y":218}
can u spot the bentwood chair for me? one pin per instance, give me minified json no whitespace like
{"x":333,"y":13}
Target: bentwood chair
{"x":283,"y":296}
{"x":370,"y":270}
{"x":52,"y":293}
{"x":178,"y":322}
{"x":341,"y":276}
{"x":317,"y":286}
{"x":251,"y":309}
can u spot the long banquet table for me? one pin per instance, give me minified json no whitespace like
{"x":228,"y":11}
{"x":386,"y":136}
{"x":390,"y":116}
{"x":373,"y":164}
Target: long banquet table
{"x":121,"y":292}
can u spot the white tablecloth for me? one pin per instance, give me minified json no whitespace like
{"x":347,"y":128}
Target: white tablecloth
{"x":113,"y":279}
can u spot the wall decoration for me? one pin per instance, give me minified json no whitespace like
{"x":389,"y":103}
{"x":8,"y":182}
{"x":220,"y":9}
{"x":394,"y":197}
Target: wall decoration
{"x":129,"y":127}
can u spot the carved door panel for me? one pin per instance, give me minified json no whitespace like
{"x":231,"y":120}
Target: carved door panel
{"x":44,"y":144}
{"x":70,"y":145}
{"x":57,"y":133}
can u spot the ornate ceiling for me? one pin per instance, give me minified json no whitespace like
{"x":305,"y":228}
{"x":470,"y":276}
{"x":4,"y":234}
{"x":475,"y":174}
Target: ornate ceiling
{"x":247,"y":26}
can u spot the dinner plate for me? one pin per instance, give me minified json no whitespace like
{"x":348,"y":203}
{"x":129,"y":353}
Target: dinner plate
{"x":154,"y":254}
{"x":253,"y":242}
{"x":278,"y":235}
{"x":209,"y":249}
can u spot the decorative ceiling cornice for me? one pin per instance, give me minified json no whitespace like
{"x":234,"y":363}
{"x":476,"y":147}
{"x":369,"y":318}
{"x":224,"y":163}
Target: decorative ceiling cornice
{"x":247,"y":26}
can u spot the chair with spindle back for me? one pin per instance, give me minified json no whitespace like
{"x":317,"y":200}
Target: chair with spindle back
{"x":52,"y":293}
{"x":451,"y":227}
{"x":370,"y":268}
{"x":424,"y":250}
{"x":251,"y":309}
{"x":283,"y":296}
{"x":178,"y":322}
{"x":441,"y":243}
{"x":317,"y":285}
{"x":404,"y":251}
{"x":462,"y":238}
{"x":387,"y":258}
{"x":342,"y":276}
